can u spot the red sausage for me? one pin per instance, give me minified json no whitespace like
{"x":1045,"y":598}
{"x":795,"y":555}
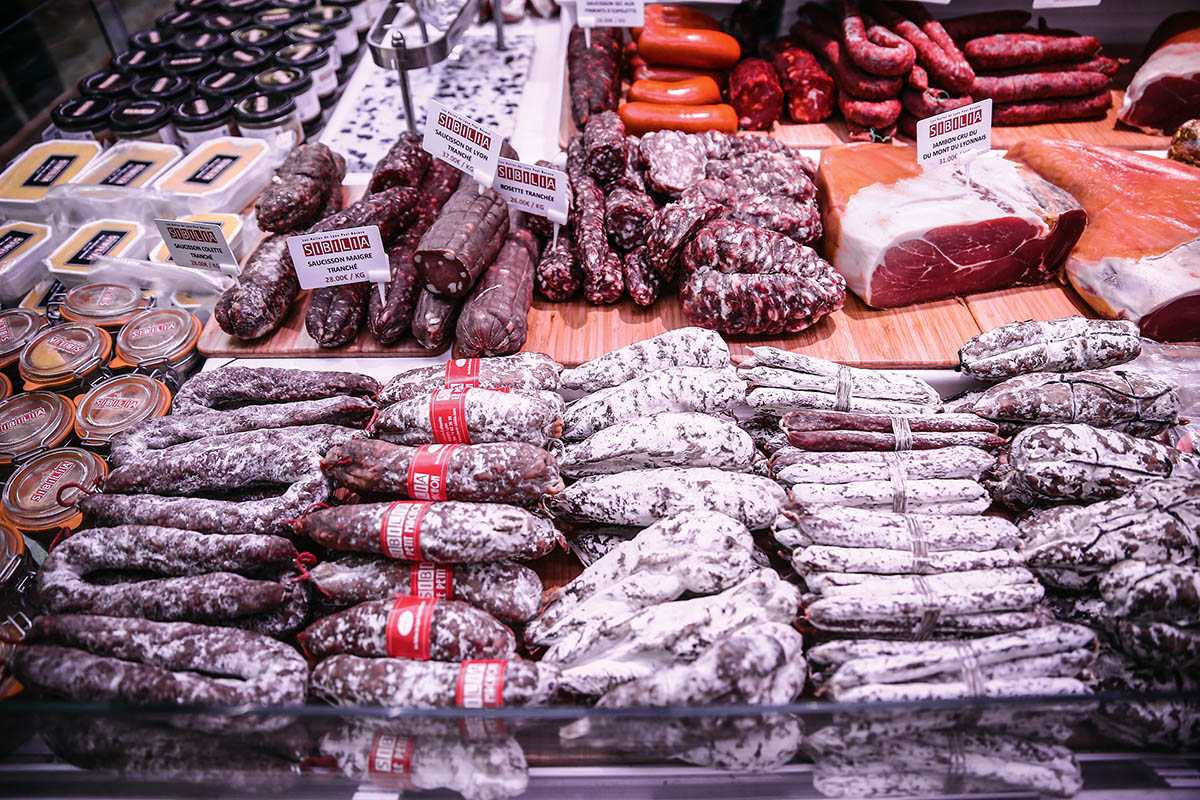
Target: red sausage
{"x":930,"y":102}
{"x":880,"y":53}
{"x":1039,"y":86}
{"x":936,"y":51}
{"x":1003,"y":50}
{"x":918,"y":78}
{"x":699,"y":91}
{"x":755,"y":94}
{"x":811,"y":93}
{"x":1052,"y":110}
{"x":659,"y":72}
{"x":676,"y":17}
{"x":869,"y":114}
{"x":642,"y":118}
{"x":1102,"y":64}
{"x":972,"y":26}
{"x":850,"y":78}
{"x":689,"y":47}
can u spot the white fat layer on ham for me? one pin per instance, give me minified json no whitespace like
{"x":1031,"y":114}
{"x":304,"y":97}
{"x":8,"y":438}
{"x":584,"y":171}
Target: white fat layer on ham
{"x":882,"y":216}
{"x":1136,"y":287}
{"x":1173,"y":61}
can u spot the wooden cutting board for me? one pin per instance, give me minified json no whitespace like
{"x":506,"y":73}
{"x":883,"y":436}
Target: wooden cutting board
{"x":925,"y":336}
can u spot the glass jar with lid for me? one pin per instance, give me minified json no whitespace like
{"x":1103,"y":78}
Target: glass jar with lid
{"x":152,"y":39}
{"x":338,"y":19}
{"x":18,"y":327}
{"x":107,"y":84}
{"x":263,"y":36}
{"x":144,"y":120}
{"x":179,"y":20}
{"x":245,"y":59}
{"x":109,"y":305}
{"x":322,"y":36}
{"x":116,"y":405}
{"x":83,"y":118}
{"x":297,"y":84}
{"x":190,"y":64}
{"x":271,"y":117}
{"x":138,"y":62}
{"x":39,"y":498}
{"x":31,"y":423}
{"x":65,"y":357}
{"x":244,"y":6}
{"x":18,"y":574}
{"x":279,"y":17}
{"x":225,"y":21}
{"x":203,"y":118}
{"x":360,"y":16}
{"x":316,"y":61}
{"x":230,"y":83}
{"x":166,"y":89}
{"x":159,"y":341}
{"x":202,"y":41}
{"x":198,"y":5}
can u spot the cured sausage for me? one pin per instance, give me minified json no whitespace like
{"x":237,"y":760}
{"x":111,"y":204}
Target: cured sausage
{"x":839,"y":430}
{"x":698,"y":91}
{"x":558,"y":274}
{"x":1059,"y":345}
{"x":676,"y":16}
{"x":643,"y":118}
{"x":439,"y":532}
{"x":674,"y":225}
{"x":602,"y":279}
{"x":392,"y":318}
{"x":517,"y":371}
{"x":420,"y":628}
{"x":509,"y":592}
{"x":463,"y":241}
{"x":1003,"y":50}
{"x":404,"y":164}
{"x":760,"y":303}
{"x":501,"y":472}
{"x":467,"y":414}
{"x":879,"y":52}
{"x":929,"y":102}
{"x":93,"y":658}
{"x":936,"y":51}
{"x":266,"y":287}
{"x":605,"y":149}
{"x":238,"y":387}
{"x":434,"y":318}
{"x":869,"y":113}
{"x":755,"y":94}
{"x":1050,"y":110}
{"x":628,"y":215}
{"x":493,"y":320}
{"x":811,"y":93}
{"x":300,"y":188}
{"x":682,"y":347}
{"x":404,"y":683}
{"x":593,"y":72}
{"x":849,"y":77}
{"x":1038,"y":86}
{"x":669,"y":74}
{"x":642,"y":281}
{"x":688,"y":47}
{"x":973,"y":26}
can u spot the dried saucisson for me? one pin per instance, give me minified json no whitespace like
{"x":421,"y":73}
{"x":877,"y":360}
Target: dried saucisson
{"x":536,"y":371}
{"x":404,"y":164}
{"x":466,"y":414}
{"x":237,"y":387}
{"x":558,"y":274}
{"x":493,"y":320}
{"x":404,"y":683}
{"x":462,"y":241}
{"x":266,"y":287}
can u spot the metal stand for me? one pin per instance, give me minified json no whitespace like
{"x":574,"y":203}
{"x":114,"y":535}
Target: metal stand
{"x":390,"y":51}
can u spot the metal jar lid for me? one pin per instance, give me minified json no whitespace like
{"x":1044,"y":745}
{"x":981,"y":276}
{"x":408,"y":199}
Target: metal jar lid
{"x":18,"y":326}
{"x":109,"y":304}
{"x":168,"y":89}
{"x":108,"y":83}
{"x":35,"y":495}
{"x":116,"y":405}
{"x":138,"y":61}
{"x":202,"y":41}
{"x":245,"y":58}
{"x":33,"y":422}
{"x":63,"y":354}
{"x":258,"y":36}
{"x":157,"y":336}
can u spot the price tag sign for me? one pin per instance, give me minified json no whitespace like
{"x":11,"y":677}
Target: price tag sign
{"x":612,"y":13}
{"x":946,"y":138}
{"x":1064,"y":3}
{"x":332,"y":257}
{"x":199,"y":245}
{"x":538,"y":190}
{"x":461,"y":142}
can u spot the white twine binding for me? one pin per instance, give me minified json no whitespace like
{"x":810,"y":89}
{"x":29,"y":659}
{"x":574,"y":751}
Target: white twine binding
{"x":933,"y":611}
{"x":898,"y":479}
{"x":845,"y":389}
{"x":918,"y":543}
{"x":903,"y":433}
{"x":971,"y":673}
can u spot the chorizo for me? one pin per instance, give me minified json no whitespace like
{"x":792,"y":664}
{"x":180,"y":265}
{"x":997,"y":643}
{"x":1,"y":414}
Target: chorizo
{"x":849,"y":77}
{"x":1051,"y":110}
{"x":698,"y":91}
{"x":688,"y":47}
{"x":936,"y":51}
{"x":1038,"y":86}
{"x":867,"y":113}
{"x":880,"y":52}
{"x":1003,"y":50}
{"x":811,"y":93}
{"x":643,"y":118}
{"x":755,"y":94}
{"x":973,"y":26}
{"x":667,"y":73}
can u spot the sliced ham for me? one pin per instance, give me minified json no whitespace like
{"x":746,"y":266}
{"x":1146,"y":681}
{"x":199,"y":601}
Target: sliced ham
{"x":1165,"y":92}
{"x":901,"y":236}
{"x":1139,"y":258}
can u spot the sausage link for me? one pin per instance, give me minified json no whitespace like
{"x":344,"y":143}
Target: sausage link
{"x":688,"y":47}
{"x":643,"y":118}
{"x":935,"y":49}
{"x":849,"y":77}
{"x":1050,"y":110}
{"x":880,"y":52}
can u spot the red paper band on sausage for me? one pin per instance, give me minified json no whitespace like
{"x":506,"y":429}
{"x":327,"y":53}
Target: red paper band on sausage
{"x":448,"y":415}
{"x":400,"y":533}
{"x":481,"y":684}
{"x":431,"y":580}
{"x":462,"y":372}
{"x":408,"y":627}
{"x":390,"y":764}
{"x":427,"y":471}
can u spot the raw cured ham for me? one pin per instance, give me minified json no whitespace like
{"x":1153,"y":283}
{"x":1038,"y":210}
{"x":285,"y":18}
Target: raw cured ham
{"x":1165,"y":92}
{"x":901,"y":236}
{"x":1139,"y":258}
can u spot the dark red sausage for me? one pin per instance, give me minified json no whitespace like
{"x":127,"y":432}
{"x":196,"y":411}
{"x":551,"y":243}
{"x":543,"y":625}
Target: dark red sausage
{"x":1098,"y":63}
{"x":930,"y":102}
{"x":1004,"y":50}
{"x":849,"y":77}
{"x":867,"y":113}
{"x":936,"y":51}
{"x":972,"y":26}
{"x":1052,"y":110}
{"x":755,"y":94}
{"x":885,"y":54}
{"x":1038,"y":86}
{"x":811,"y":93}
